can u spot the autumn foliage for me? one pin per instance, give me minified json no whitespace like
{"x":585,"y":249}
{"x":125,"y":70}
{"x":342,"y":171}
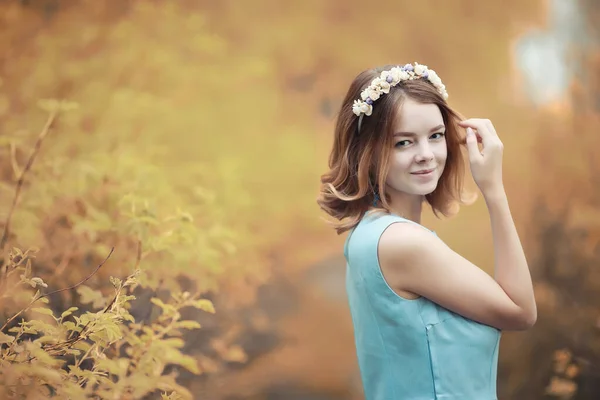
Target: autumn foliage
{"x":160,"y":159}
{"x":100,"y":350}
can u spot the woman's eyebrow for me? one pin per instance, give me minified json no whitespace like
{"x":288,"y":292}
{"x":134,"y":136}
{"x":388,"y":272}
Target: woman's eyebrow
{"x":435,"y":128}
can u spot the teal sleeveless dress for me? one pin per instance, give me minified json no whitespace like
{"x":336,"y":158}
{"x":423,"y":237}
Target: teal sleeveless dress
{"x":412,"y":349}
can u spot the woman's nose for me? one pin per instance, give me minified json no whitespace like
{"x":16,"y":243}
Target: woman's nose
{"x":424,"y":154}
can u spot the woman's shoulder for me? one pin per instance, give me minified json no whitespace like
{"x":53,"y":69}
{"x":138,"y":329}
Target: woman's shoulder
{"x":388,"y":230}
{"x":403,"y":238}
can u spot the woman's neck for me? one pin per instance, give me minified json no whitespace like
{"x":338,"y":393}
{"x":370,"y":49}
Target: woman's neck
{"x":407,"y":206}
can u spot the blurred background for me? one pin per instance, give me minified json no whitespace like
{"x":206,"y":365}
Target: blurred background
{"x":190,"y":135}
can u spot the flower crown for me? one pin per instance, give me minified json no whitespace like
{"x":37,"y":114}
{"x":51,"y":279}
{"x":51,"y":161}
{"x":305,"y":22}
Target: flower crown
{"x":391,"y":78}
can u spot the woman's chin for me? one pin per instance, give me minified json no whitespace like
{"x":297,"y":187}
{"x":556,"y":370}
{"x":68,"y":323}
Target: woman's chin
{"x":424,"y":190}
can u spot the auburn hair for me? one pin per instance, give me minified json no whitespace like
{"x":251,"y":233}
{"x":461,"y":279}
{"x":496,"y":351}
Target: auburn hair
{"x":359,"y":160}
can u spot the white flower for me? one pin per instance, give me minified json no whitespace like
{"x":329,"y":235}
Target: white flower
{"x":360,"y":107}
{"x":434,"y":78}
{"x":356,"y":107}
{"x":387,"y":75}
{"x":372,"y":92}
{"x":396,"y":73}
{"x":420,"y":69}
{"x":393,"y":76}
{"x":381,"y":84}
{"x":385,"y":87}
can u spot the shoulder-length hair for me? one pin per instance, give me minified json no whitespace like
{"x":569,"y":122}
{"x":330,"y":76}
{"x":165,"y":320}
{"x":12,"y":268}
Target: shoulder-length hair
{"x":359,"y":161}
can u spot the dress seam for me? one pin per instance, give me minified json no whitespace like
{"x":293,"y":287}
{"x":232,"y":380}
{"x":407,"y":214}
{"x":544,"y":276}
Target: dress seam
{"x":492,"y":367}
{"x":428,"y":352}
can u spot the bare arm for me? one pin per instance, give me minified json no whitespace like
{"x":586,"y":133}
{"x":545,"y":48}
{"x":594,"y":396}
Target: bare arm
{"x":512,"y":271}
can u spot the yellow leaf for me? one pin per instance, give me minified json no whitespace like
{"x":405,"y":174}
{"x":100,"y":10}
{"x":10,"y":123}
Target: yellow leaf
{"x":111,"y":366}
{"x":113,"y":333}
{"x":174,"y":342}
{"x":71,"y":326}
{"x":46,"y":339}
{"x":204,"y":305}
{"x":45,"y":311}
{"x":158,"y":302}
{"x":189,"y":363}
{"x":83,"y":346}
{"x":6,"y":338}
{"x":40,"y":326}
{"x":69,"y":311}
{"x":89,"y":295}
{"x":187,"y":325}
{"x":167,"y":308}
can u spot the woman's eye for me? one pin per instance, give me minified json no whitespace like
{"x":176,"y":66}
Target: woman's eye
{"x":403,"y":143}
{"x":438,"y":135}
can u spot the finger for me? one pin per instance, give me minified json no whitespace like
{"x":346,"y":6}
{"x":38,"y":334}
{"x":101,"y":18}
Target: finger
{"x":472,"y":147}
{"x":474,"y":122}
{"x":481,"y":126}
{"x":463,"y":140}
{"x":491,"y":127}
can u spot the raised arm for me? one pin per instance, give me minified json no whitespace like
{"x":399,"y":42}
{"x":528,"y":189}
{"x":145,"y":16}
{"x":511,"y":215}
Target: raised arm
{"x":419,"y":262}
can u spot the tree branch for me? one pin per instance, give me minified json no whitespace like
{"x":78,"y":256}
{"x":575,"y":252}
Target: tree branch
{"x":84,"y":280}
{"x":32,"y":156}
{"x":57,"y":291}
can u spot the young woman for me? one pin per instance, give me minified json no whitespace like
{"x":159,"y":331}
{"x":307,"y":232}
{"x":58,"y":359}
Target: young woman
{"x":427,"y":321}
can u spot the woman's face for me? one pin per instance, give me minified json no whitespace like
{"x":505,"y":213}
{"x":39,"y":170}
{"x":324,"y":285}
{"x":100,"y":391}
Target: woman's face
{"x":419,"y":154}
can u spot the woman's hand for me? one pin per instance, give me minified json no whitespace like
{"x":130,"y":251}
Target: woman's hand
{"x":486,"y":165}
